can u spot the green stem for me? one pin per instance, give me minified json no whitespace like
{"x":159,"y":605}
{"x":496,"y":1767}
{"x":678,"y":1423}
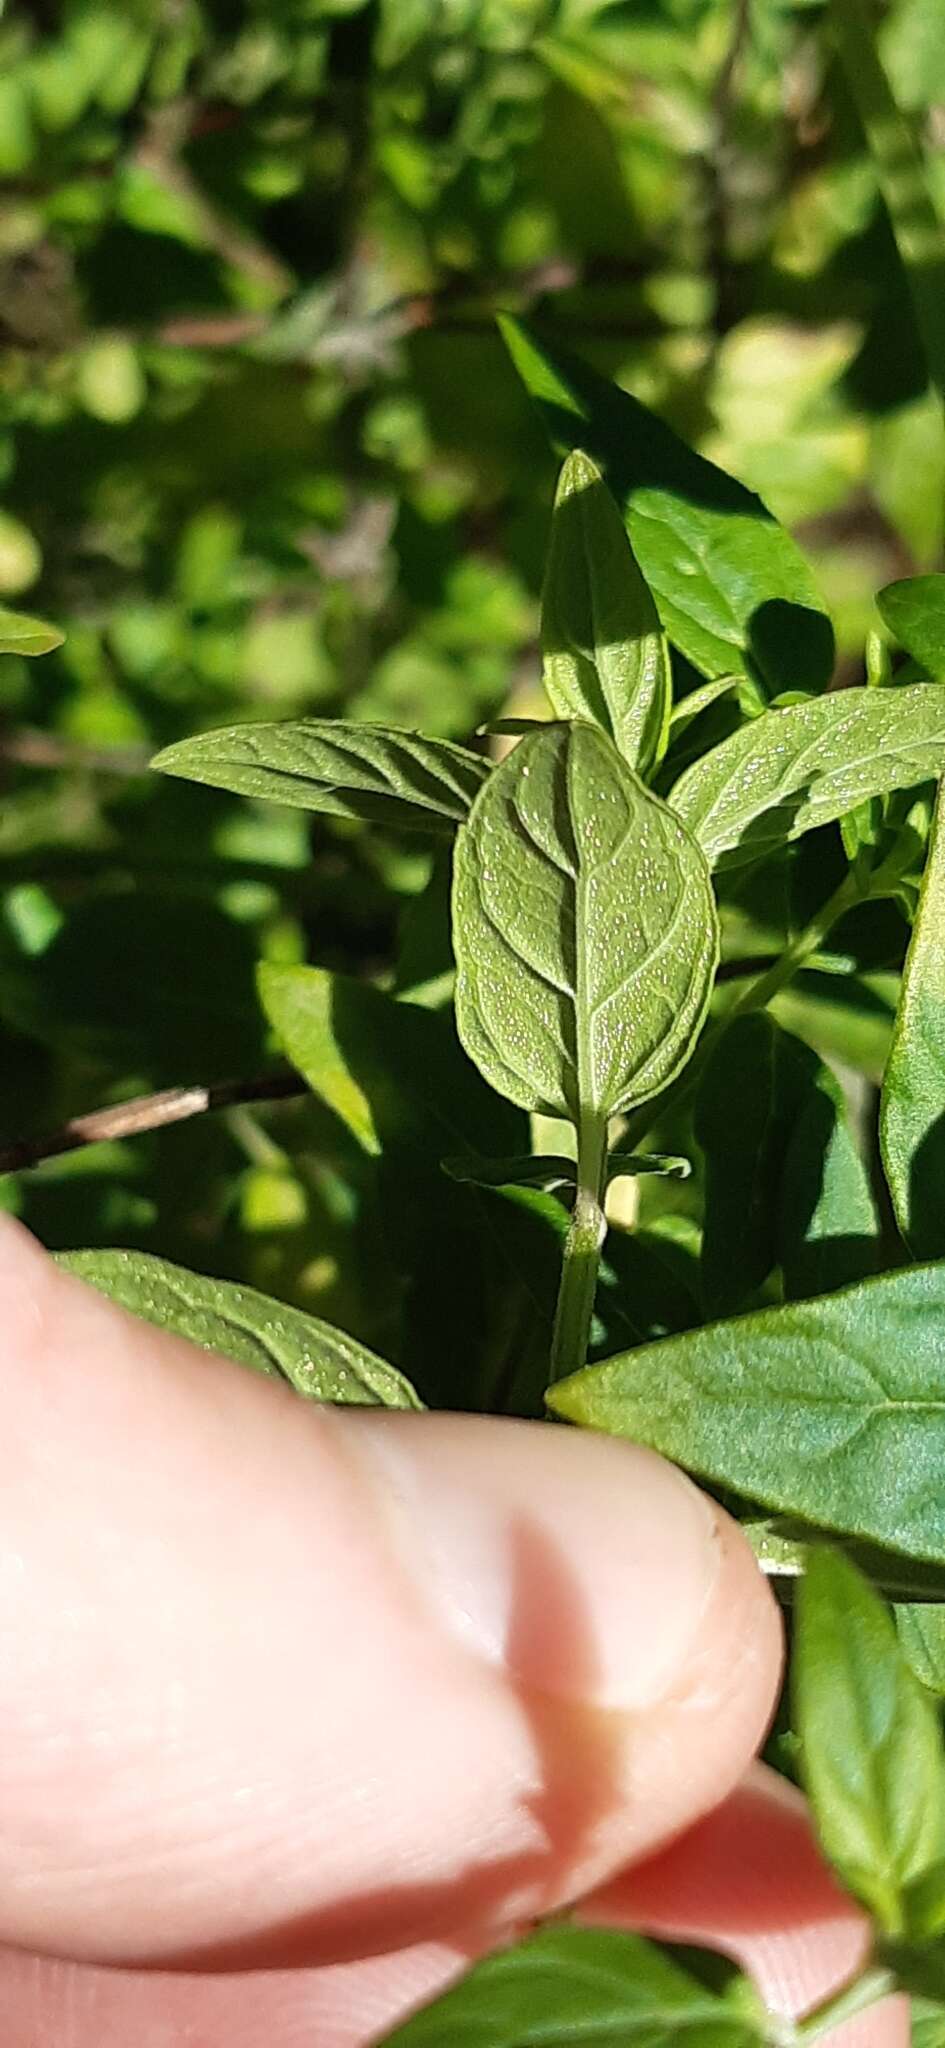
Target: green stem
{"x":903,"y":179}
{"x":582,"y":1251}
{"x":874,"y":1983}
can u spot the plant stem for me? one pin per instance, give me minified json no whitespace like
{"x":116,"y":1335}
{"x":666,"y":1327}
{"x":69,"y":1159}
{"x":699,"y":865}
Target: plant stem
{"x":867,"y":1989}
{"x":807,"y":942}
{"x":582,"y":1251}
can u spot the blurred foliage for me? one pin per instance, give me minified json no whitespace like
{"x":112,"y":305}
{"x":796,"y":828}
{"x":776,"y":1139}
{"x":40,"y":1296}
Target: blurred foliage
{"x":262,"y":453}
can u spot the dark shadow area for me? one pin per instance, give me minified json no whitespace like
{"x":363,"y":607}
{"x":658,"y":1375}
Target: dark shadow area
{"x":926,"y":1231}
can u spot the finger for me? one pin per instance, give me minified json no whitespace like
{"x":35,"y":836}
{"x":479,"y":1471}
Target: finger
{"x":282,"y":1684}
{"x":747,"y":1880}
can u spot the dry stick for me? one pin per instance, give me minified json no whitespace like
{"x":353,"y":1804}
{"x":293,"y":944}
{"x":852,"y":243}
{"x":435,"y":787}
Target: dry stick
{"x":148,"y":1113}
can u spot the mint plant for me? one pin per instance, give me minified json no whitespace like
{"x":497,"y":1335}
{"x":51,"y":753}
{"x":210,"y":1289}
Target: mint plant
{"x":616,"y":948}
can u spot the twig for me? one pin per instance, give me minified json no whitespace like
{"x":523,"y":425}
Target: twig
{"x":29,"y":749}
{"x":148,"y":1113}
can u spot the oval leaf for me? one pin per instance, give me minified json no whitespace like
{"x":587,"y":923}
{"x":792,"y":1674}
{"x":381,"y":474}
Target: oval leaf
{"x":912,"y":1112}
{"x":733,"y":590}
{"x":319,"y":1361}
{"x":577,"y":1985}
{"x":373,"y":772}
{"x":605,"y":655}
{"x":789,"y":771}
{"x":831,"y":1410}
{"x":871,"y":1752}
{"x":584,"y":928}
{"x":20,"y":634}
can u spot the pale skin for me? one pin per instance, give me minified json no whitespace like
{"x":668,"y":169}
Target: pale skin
{"x":300,"y":1710}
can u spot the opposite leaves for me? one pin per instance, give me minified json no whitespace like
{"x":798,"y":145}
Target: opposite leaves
{"x":789,"y":771}
{"x":319,"y":1361}
{"x":871,"y":1750}
{"x":605,"y":655}
{"x":584,"y":1987}
{"x":584,"y":928}
{"x":372,"y":772}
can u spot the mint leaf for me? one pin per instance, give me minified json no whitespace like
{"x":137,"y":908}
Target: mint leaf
{"x":586,"y":1987}
{"x":20,"y":634}
{"x":319,"y":1361}
{"x":871,"y":1750}
{"x":733,"y":590}
{"x":912,"y":1111}
{"x":914,"y":611}
{"x":584,"y":928}
{"x":789,"y":771}
{"x":830,"y":1410}
{"x":373,"y":772}
{"x":605,"y":655}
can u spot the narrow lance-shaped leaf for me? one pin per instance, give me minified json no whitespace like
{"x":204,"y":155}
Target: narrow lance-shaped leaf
{"x":373,"y":772}
{"x":912,"y":1113}
{"x":871,"y":1751}
{"x":580,"y":1985}
{"x":20,"y":634}
{"x":319,"y":1361}
{"x":914,"y":611}
{"x":792,"y":770}
{"x":584,"y":928}
{"x":830,"y":1410}
{"x":604,"y":651}
{"x":732,"y":589}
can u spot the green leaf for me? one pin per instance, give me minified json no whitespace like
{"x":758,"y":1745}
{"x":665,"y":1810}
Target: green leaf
{"x":20,"y":634}
{"x":912,"y":1110}
{"x":732,"y":588}
{"x":605,"y":655}
{"x":927,"y":2023}
{"x":584,"y":928}
{"x":792,"y":770}
{"x":784,"y":1182}
{"x":831,"y":1410}
{"x":871,"y":1750}
{"x":373,"y":772}
{"x":921,"y":1626}
{"x":524,"y":1170}
{"x":319,"y":1361}
{"x":914,"y":611}
{"x":587,"y":1987}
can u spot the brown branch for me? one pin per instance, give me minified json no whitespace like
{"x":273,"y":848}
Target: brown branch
{"x":30,"y":749}
{"x":148,"y":1113}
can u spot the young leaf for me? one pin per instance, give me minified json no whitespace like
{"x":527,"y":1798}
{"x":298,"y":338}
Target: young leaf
{"x":319,"y":1361}
{"x":584,"y":928}
{"x":580,"y":1986}
{"x":921,"y":1627}
{"x":784,"y":1182}
{"x":20,"y":634}
{"x":912,"y":1111}
{"x":605,"y":655}
{"x":732,"y":589}
{"x":373,"y":772}
{"x":914,"y":611}
{"x":792,"y":770}
{"x":525,"y":1170}
{"x":871,"y":1750}
{"x":830,"y":1410}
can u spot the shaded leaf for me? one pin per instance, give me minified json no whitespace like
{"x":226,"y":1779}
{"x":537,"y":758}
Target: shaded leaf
{"x":604,"y":651}
{"x":871,"y":1750}
{"x":921,"y":1626}
{"x":319,"y":1361}
{"x":584,"y":928}
{"x":372,"y":772}
{"x":831,"y":1410}
{"x":732,"y":588}
{"x":912,"y":1110}
{"x":792,"y":770}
